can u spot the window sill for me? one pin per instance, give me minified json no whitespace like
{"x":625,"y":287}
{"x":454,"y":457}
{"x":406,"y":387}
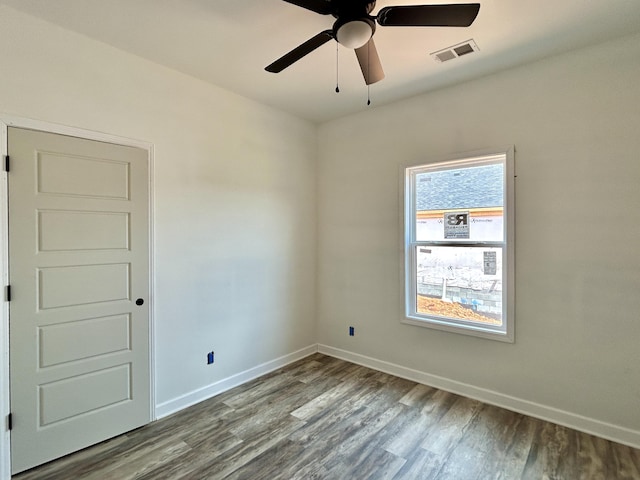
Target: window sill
{"x":464,"y":329}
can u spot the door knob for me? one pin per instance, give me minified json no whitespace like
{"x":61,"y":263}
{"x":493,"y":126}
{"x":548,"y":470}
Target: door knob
{"x":139,"y":301}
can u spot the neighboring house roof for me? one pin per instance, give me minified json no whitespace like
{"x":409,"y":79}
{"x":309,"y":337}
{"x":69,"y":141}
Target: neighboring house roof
{"x":469,"y":187}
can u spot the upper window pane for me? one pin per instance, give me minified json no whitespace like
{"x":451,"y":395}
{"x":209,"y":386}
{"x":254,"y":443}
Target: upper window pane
{"x":460,"y":204}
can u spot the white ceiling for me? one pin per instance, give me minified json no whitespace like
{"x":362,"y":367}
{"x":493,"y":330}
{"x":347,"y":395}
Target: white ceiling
{"x":229,"y":42}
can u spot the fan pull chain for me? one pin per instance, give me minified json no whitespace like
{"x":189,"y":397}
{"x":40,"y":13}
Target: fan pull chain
{"x":337,"y":69}
{"x":368,"y":73}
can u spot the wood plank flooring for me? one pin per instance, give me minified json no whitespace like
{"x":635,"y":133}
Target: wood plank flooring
{"x":323,"y":418}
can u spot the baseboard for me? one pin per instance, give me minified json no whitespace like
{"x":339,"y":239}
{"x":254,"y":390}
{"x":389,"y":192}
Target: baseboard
{"x":607,"y":431}
{"x":179,"y":403}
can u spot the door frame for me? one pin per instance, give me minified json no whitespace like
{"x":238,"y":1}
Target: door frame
{"x":7,"y":121}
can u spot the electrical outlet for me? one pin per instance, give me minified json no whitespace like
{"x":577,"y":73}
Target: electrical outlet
{"x":210,"y":358}
{"x":352,"y":331}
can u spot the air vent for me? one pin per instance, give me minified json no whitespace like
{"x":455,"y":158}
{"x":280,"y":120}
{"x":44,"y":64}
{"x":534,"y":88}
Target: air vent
{"x":455,"y":51}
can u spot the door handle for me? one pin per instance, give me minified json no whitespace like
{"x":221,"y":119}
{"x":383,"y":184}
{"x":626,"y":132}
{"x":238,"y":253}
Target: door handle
{"x":139,"y":301}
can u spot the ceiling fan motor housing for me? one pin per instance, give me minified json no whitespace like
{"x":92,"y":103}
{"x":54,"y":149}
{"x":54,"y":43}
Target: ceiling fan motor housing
{"x":352,"y":9}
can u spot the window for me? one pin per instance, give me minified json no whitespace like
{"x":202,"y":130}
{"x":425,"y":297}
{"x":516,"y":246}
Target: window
{"x":458,"y":248}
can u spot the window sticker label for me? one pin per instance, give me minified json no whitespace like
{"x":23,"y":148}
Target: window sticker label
{"x":490,"y":262}
{"x":456,"y":225}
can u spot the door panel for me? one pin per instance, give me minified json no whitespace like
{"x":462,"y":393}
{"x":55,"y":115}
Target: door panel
{"x":56,"y":174}
{"x":69,"y":286}
{"x":59,"y":400}
{"x":57,"y":231}
{"x":78,"y":257}
{"x":72,"y":341}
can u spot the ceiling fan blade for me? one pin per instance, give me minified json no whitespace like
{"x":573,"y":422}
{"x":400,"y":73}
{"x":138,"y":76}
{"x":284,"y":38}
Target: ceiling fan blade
{"x":322,"y":7}
{"x":370,"y":62}
{"x":300,"y":51}
{"x":455,"y":15}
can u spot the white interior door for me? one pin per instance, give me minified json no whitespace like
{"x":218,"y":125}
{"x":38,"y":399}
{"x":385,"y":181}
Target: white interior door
{"x":79,"y":275}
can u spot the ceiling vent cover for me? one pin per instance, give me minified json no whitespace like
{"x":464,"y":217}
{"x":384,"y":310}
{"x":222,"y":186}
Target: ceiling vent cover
{"x":455,"y":51}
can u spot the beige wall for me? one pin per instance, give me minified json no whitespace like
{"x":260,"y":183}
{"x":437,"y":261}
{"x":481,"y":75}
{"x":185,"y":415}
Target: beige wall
{"x":575,"y":123}
{"x":234,"y":196}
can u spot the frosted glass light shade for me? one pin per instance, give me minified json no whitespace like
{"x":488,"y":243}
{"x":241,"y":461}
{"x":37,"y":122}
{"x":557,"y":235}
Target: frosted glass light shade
{"x":354,"y":34}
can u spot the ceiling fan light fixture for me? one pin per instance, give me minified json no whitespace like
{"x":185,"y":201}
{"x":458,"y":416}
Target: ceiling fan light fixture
{"x":355,"y":27}
{"x":354,"y":34}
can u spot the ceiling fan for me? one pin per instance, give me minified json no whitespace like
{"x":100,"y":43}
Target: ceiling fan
{"x":354,"y":28}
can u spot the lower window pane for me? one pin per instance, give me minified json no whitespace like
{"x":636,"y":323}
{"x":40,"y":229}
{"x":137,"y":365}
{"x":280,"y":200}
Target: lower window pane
{"x":463,"y":284}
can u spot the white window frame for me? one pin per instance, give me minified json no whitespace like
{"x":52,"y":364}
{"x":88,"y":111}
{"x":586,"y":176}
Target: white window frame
{"x":409,"y":277}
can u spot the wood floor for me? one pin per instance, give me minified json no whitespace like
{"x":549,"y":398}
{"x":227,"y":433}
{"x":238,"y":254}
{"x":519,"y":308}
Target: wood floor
{"x":323,"y":418}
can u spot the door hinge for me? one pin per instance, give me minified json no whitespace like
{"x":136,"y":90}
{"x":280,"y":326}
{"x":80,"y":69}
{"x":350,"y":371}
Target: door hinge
{"x":10,"y":421}
{"x":7,"y":294}
{"x":6,"y":163}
